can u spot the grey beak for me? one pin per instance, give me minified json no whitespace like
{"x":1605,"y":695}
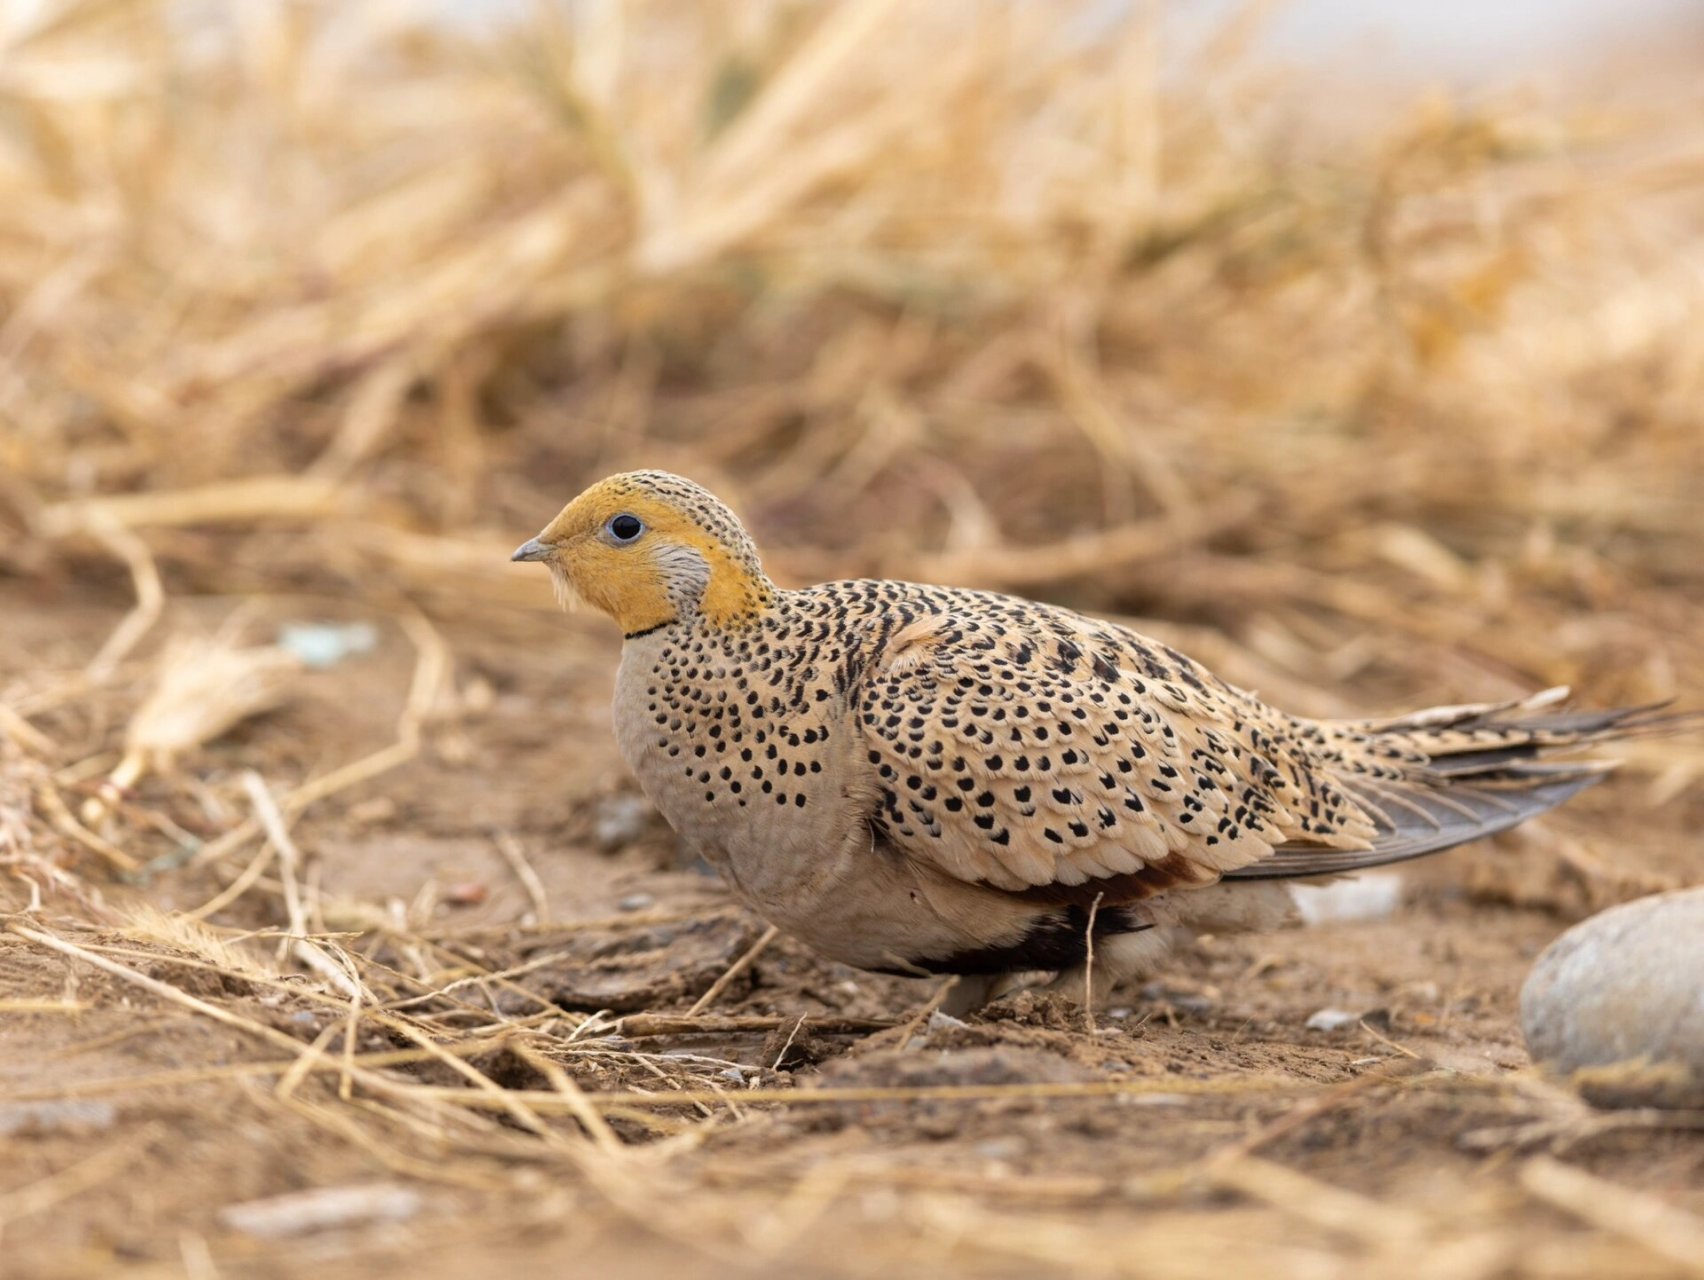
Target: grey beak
{"x":532,"y":549}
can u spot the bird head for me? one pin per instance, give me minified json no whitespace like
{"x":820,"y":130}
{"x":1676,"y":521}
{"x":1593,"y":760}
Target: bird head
{"x":649,"y":548}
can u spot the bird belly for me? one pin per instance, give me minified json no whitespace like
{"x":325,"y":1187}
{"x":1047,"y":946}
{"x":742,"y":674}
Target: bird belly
{"x":873,"y":909}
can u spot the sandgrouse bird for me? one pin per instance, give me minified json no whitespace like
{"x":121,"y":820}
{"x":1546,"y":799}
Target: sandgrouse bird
{"x":924,"y":780}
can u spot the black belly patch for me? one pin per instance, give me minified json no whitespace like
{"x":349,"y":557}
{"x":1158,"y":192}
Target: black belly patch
{"x":1058,"y":940}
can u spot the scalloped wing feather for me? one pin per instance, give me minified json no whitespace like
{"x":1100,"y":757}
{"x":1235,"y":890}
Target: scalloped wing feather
{"x":1044,"y":753}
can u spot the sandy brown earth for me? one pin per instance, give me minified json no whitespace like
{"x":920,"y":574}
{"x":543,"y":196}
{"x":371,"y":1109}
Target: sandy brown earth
{"x":1198,"y":1128}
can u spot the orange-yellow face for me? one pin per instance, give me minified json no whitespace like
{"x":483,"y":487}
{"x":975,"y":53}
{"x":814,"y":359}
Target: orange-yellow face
{"x":648,"y":548}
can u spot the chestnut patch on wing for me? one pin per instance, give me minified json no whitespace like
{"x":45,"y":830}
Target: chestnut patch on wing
{"x":1171,"y":872}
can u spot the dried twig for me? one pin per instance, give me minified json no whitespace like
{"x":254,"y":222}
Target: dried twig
{"x":240,"y":501}
{"x":1334,"y":1208}
{"x":641,"y":1026}
{"x":21,"y":731}
{"x":733,"y":971}
{"x":65,"y":822}
{"x":516,"y":857}
{"x":83,"y":1175}
{"x":547,"y":1103}
{"x":1648,"y":1222}
{"x":150,"y":594}
{"x":289,"y":858}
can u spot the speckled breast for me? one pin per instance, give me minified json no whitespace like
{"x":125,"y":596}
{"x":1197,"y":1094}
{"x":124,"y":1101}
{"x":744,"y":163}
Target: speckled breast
{"x":743,"y":745}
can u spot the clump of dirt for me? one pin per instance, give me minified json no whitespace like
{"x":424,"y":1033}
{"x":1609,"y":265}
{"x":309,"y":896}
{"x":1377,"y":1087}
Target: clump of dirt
{"x":624,"y":970}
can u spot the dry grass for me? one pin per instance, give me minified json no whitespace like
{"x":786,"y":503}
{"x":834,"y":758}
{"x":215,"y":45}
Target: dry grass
{"x":318,"y":303}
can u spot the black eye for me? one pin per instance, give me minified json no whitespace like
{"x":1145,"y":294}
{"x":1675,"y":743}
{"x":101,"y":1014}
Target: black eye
{"x":625,"y":528}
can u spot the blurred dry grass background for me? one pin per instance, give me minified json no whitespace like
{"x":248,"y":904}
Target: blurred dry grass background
{"x":304,"y":296}
{"x":1369,"y":403}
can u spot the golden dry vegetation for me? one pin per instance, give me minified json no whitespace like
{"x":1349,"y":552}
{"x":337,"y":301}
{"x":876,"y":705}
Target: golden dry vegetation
{"x":310,"y":312}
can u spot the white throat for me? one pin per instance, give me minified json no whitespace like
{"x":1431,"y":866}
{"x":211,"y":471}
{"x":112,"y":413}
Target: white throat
{"x":686,"y":576}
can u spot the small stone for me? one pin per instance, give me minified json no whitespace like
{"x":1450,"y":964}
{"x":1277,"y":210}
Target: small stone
{"x":620,"y":820}
{"x":321,"y":1209}
{"x":321,"y":645}
{"x":34,"y":1118}
{"x":637,"y":902}
{"x":368,"y":813}
{"x":1372,"y":895}
{"x":1181,"y":999}
{"x":1331,"y":1020}
{"x":467,"y":893}
{"x":1617,"y":998}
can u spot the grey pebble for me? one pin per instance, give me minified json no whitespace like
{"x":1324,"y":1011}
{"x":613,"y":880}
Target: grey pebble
{"x":1621,"y":996}
{"x":20,"y":1118}
{"x":620,"y":819}
{"x":1180,"y":999}
{"x":1331,"y":1020}
{"x":298,"y":1213}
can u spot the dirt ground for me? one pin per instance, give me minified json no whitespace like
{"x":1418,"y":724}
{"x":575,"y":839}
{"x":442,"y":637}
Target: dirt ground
{"x":1199,"y":1128}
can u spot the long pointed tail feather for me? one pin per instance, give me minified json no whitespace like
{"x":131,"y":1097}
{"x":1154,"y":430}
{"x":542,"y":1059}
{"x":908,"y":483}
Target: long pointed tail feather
{"x":1468,"y":772}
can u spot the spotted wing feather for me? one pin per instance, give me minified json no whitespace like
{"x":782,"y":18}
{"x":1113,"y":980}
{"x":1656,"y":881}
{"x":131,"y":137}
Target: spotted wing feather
{"x":1050,"y":755}
{"x":1070,"y":760}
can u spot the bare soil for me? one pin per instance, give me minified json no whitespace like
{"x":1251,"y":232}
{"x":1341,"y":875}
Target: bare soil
{"x":1199,"y":1128}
